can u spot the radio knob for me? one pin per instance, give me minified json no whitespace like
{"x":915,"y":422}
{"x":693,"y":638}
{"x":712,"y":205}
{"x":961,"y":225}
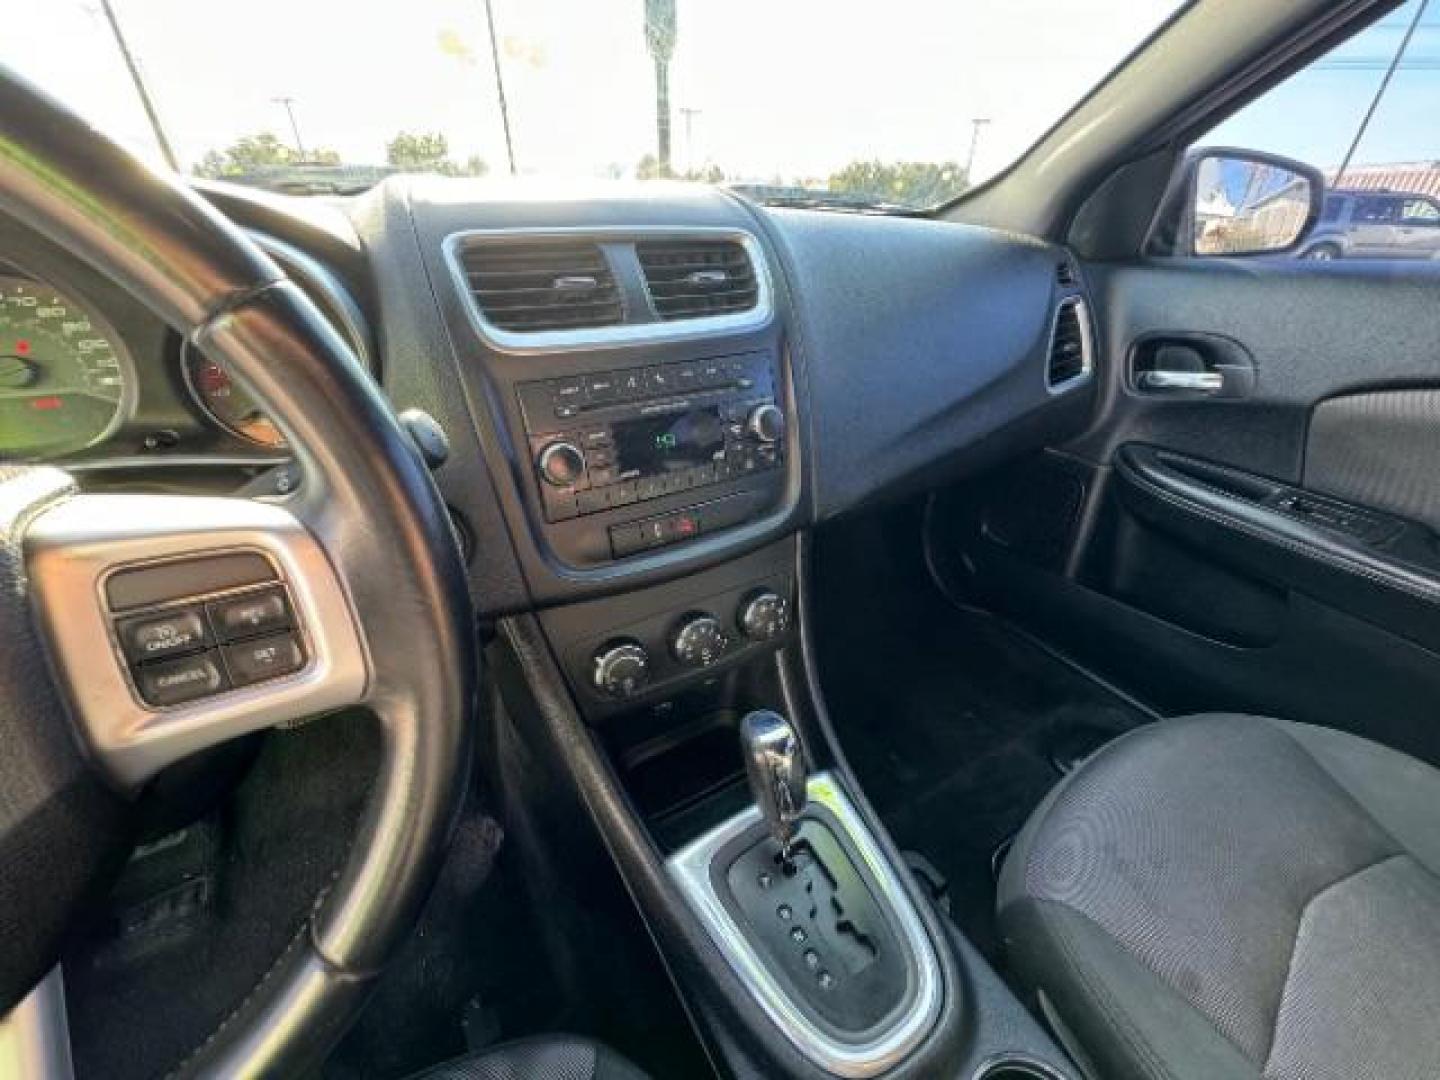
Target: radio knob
{"x":561,"y":464}
{"x":699,"y":640}
{"x":622,"y":668}
{"x":764,"y":615}
{"x":766,"y":423}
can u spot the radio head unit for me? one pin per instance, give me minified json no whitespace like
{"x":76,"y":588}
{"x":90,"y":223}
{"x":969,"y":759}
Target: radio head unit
{"x":612,"y":440}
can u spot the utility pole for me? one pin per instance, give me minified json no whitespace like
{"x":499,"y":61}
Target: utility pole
{"x":289,"y":104}
{"x":500,"y":83}
{"x":689,"y":115}
{"x":145,"y":102}
{"x":975,"y":126}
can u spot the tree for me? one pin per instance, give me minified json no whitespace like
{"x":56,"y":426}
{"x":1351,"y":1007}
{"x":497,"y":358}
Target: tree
{"x":429,"y":152}
{"x":910,"y":183}
{"x":261,"y":150}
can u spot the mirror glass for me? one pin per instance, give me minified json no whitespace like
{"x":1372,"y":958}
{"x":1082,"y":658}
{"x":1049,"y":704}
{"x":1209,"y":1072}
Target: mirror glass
{"x":1248,"y":207}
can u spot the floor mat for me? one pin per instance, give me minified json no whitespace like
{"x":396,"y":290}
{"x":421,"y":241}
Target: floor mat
{"x":952,"y":720}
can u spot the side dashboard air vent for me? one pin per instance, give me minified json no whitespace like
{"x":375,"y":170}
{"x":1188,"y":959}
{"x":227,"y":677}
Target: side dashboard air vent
{"x":1071,"y":356}
{"x":542,"y":284}
{"x":690,"y":279}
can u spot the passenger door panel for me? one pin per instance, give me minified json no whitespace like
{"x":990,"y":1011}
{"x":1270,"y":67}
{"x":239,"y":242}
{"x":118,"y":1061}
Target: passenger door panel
{"x":1272,"y":551}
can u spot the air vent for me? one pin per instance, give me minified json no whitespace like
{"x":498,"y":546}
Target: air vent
{"x":536,"y":285}
{"x":690,"y":279}
{"x":1070,"y":353}
{"x":1065,"y":274}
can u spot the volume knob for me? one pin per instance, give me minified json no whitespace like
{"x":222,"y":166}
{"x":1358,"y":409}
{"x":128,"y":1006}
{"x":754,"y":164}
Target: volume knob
{"x":561,"y":464}
{"x":766,"y":423}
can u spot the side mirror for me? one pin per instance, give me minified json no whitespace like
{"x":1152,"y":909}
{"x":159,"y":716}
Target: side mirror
{"x":1227,"y":202}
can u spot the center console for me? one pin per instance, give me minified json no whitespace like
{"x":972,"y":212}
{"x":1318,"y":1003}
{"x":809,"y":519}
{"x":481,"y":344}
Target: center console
{"x":638,"y":392}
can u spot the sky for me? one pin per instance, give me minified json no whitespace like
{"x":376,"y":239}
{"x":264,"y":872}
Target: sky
{"x":762,"y":88}
{"x":795,"y":88}
{"x":1313,"y":116}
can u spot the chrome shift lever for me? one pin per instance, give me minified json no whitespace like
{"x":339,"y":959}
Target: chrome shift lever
{"x":776,"y":767}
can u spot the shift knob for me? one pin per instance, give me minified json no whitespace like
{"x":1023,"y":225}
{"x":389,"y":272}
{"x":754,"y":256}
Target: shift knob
{"x":776,"y":767}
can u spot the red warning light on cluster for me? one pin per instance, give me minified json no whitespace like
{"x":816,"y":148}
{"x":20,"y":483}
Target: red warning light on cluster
{"x":22,"y":347}
{"x":47,"y":404}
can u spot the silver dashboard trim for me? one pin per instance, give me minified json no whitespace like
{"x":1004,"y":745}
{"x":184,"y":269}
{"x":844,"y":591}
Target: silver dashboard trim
{"x":72,"y":546}
{"x":35,"y":1034}
{"x":690,"y":869}
{"x":602,"y":337}
{"x":1087,"y":344}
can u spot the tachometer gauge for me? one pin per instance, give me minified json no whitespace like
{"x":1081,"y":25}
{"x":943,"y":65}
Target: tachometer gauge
{"x":227,"y":402}
{"x":64,"y":382}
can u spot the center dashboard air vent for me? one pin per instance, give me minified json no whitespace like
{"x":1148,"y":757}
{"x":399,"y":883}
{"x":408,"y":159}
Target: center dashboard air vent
{"x":691,"y":279}
{"x":542,"y":284}
{"x":1071,"y":356}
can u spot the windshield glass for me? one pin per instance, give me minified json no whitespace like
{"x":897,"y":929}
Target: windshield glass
{"x":903,"y":104}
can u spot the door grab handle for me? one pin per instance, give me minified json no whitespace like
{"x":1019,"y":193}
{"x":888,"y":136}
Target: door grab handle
{"x":1205,"y":381}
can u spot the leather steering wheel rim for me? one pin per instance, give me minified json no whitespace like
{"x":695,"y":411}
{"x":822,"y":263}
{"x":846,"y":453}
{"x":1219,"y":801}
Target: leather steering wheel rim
{"x":367,"y":504}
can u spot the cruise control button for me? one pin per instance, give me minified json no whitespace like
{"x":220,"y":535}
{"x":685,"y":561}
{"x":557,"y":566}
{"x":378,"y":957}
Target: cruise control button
{"x":253,"y":613}
{"x":184,"y":678}
{"x":264,"y":658}
{"x":150,"y":637}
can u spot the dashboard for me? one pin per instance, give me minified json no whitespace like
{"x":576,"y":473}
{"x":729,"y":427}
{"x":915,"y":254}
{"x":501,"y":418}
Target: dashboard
{"x":634,"y":386}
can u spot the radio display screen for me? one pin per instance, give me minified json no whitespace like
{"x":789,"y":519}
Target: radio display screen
{"x":659,"y":444}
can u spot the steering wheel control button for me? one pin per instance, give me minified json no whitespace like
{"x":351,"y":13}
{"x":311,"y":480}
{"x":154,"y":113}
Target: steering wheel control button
{"x":622,"y":669}
{"x":699,"y":641}
{"x":764,"y":615}
{"x":264,"y":658}
{"x":176,"y":681}
{"x":170,"y":633}
{"x":250,"y":614}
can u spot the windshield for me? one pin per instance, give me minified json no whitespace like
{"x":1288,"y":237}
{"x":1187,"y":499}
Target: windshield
{"x":894,"y":105}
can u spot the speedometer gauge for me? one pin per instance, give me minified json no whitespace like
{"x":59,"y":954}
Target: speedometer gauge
{"x":63,"y":374}
{"x":228,"y":403}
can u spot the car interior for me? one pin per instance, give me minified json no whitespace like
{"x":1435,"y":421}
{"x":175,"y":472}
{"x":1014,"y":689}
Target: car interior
{"x":472,"y":629}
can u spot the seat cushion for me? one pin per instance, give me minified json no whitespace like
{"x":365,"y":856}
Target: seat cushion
{"x":1229,"y":896}
{"x":548,"y":1057}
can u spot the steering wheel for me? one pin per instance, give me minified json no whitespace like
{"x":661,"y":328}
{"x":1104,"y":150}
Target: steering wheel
{"x":361,"y":564}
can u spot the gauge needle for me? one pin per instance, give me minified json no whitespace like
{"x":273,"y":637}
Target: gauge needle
{"x":16,"y":373}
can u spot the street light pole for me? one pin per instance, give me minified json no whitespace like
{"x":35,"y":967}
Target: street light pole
{"x":289,"y":104}
{"x":145,"y":102}
{"x":500,"y":84}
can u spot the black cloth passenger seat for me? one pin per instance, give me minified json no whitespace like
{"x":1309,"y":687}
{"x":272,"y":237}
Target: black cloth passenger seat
{"x":547,"y":1057}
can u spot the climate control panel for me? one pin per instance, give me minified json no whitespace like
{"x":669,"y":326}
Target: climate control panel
{"x":625,"y":666}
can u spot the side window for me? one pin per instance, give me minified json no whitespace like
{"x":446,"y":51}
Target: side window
{"x":1423,"y":213}
{"x":1365,"y":116}
{"x":1373,"y":211}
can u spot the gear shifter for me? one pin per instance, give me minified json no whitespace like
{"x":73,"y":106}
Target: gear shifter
{"x":776,"y":767}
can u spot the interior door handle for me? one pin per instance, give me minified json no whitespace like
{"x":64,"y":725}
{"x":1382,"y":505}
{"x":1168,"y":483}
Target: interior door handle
{"x":1208,"y":382}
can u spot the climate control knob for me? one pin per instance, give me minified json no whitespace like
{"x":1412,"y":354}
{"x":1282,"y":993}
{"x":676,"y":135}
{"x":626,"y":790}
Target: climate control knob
{"x":699,"y":640}
{"x":561,"y":464}
{"x":766,"y":423}
{"x":764,"y":615}
{"x":622,"y":668}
